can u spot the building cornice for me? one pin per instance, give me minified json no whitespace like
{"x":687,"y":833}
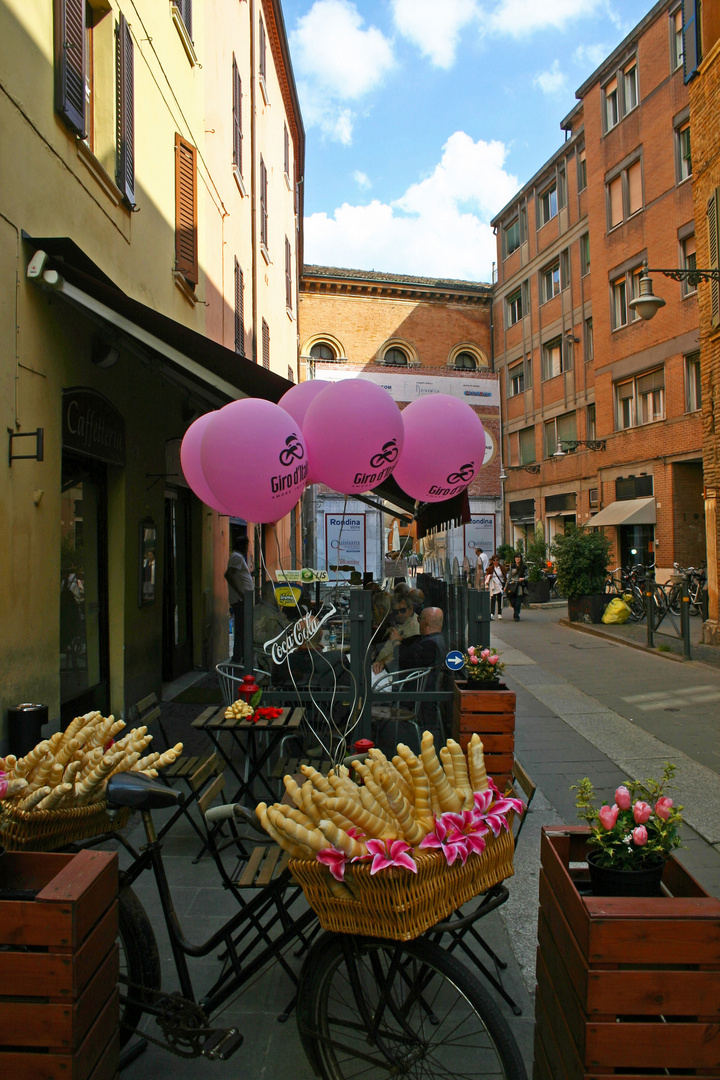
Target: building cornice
{"x":333,"y":280}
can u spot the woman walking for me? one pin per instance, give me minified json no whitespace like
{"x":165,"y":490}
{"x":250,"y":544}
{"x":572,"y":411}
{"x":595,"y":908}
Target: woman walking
{"x":515,"y":586}
{"x":495,"y":582}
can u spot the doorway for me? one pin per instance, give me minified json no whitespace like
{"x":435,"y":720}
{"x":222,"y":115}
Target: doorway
{"x":84,"y":660}
{"x":637,"y":545}
{"x":177,"y":648}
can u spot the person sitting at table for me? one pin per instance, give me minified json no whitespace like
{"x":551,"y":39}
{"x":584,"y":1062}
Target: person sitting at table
{"x":268,"y":622}
{"x":406,"y":625}
{"x":417,"y":596}
{"x":427,"y":650}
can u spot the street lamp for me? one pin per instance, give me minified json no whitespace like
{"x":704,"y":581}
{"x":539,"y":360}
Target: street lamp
{"x":647,"y":304}
{"x":572,"y":444}
{"x":517,"y":468}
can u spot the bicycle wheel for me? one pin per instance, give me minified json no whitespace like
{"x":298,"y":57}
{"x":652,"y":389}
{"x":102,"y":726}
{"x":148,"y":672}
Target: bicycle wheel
{"x":139,"y":961}
{"x":674,"y":596}
{"x":371,"y":1008}
{"x":636,"y":605}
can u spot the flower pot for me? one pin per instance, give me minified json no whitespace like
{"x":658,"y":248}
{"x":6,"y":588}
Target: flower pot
{"x":610,"y":881}
{"x":587,"y":609}
{"x":538,"y":592}
{"x":482,"y":684}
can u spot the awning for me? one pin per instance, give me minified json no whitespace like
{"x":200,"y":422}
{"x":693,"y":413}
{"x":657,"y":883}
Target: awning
{"x":625,"y":512}
{"x":203,"y":362}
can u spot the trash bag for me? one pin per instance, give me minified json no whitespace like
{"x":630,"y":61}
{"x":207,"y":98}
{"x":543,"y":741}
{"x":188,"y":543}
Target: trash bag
{"x":617,"y":611}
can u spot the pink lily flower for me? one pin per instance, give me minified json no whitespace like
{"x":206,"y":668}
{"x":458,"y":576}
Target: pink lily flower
{"x":469,"y":825}
{"x":663,"y":807}
{"x":623,"y":798}
{"x":641,"y":812}
{"x":640,"y":836}
{"x":452,"y":844}
{"x":335,"y":860}
{"x":357,"y":834}
{"x":608,"y":816}
{"x":389,"y":853}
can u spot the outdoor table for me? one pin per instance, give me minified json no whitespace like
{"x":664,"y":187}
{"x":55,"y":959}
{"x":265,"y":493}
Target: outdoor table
{"x":256,"y":741}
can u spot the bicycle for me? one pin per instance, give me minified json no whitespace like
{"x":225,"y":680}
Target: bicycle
{"x":384,"y":1008}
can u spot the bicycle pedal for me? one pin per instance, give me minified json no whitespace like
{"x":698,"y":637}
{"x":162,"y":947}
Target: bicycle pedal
{"x":222,"y":1044}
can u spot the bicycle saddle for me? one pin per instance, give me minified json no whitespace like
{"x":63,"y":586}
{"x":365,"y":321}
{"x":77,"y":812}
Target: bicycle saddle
{"x":140,"y":792}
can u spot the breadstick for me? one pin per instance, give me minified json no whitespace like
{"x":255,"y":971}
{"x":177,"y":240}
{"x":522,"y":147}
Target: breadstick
{"x":56,"y":796}
{"x":56,"y":775}
{"x":67,"y":751}
{"x":340,"y":785}
{"x":35,"y":797}
{"x":405,"y":788}
{"x":340,"y":839}
{"x":41,"y":774}
{"x":423,"y":810}
{"x":71,"y":773}
{"x":128,"y":762}
{"x":401,"y":766}
{"x":460,"y":769}
{"x":447,"y":764}
{"x":87,"y":785}
{"x":311,"y":838}
{"x":318,"y":780}
{"x":307,"y":803}
{"x":297,"y":851}
{"x":327,"y":807}
{"x":293,"y":789}
{"x":370,"y":824}
{"x":10,"y":763}
{"x":476,"y":759}
{"x":90,"y":760}
{"x":373,"y":805}
{"x":55,"y":741}
{"x":447,"y":797}
{"x":16,"y":787}
{"x":379,"y":795}
{"x":339,"y":889}
{"x":412,"y":829}
{"x":294,"y":814}
{"x":25,"y":765}
{"x":147,"y":762}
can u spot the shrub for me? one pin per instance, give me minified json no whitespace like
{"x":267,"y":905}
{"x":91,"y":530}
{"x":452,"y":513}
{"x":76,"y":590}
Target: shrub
{"x":537,"y":554}
{"x":581,"y":558}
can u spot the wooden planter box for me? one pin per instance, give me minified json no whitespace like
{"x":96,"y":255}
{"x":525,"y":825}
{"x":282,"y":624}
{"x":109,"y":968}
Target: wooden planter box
{"x":59,"y":961}
{"x":587,"y":609}
{"x":625,"y":986}
{"x":490,"y":713}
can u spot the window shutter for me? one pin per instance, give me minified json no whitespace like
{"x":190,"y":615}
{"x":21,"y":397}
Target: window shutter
{"x":186,"y":248}
{"x":286,"y":150}
{"x":616,"y":202}
{"x":69,"y":30}
{"x":185,"y":9}
{"x":125,"y":111}
{"x":288,"y":275}
{"x":712,"y":216}
{"x":239,"y":310}
{"x":266,"y":344}
{"x":635,"y":187}
{"x":237,"y":117}
{"x":263,"y":47}
{"x":263,"y":205}
{"x":691,"y":38}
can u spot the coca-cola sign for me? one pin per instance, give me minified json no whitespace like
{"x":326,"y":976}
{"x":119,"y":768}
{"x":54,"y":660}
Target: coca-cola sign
{"x":299,"y":634}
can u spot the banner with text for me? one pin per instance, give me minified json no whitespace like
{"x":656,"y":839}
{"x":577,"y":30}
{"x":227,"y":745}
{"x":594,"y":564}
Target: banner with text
{"x":344,"y":543}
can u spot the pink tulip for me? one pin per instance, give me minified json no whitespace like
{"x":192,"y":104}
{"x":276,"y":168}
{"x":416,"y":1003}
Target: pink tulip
{"x":471,"y":650}
{"x":641,"y":812}
{"x":485,"y":653}
{"x":663,"y":807}
{"x":608,"y":815}
{"x":640,"y":836}
{"x":474,"y":660}
{"x":493,"y":660}
{"x":622,"y":798}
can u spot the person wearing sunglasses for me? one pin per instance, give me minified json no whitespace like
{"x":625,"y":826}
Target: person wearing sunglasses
{"x":406,"y":626}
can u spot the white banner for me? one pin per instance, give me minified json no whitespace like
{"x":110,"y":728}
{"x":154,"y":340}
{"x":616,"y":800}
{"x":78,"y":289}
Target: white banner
{"x":345,"y":542}
{"x":479,"y":533}
{"x":480,"y":391}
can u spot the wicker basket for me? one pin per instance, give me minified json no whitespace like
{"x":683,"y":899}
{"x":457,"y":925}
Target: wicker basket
{"x":397,"y":904}
{"x":48,"y":830}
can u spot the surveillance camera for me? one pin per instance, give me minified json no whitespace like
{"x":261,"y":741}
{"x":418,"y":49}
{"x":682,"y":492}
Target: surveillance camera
{"x":37,"y":264}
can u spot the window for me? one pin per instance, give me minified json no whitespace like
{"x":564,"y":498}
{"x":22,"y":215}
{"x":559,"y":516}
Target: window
{"x":262,"y":61}
{"x":516,"y":379}
{"x":286,"y":152}
{"x":548,"y":204}
{"x":630,"y":88}
{"x":562,"y":188}
{"x":585,"y":254}
{"x":590,"y":422}
{"x":593,"y":496}
{"x":676,"y":39}
{"x":641,"y":400}
{"x":623,"y":290}
{"x":184,"y":10}
{"x":582,"y":170}
{"x":288,"y":276}
{"x":688,"y":263}
{"x":512,"y":236}
{"x":514,"y":307}
{"x":612,"y":110}
{"x":555,"y":359}
{"x":186,"y":239}
{"x":321,"y":351}
{"x":565,"y":269}
{"x":692,"y":43}
{"x":265,"y":344}
{"x":239,"y":310}
{"x":125,"y":112}
{"x":634,"y":487}
{"x":263,"y":206}
{"x":624,"y":194}
{"x":237,"y":117}
{"x":526,"y":446}
{"x":589,"y":341}
{"x":395,"y":357}
{"x":70,"y":63}
{"x":549,"y":282}
{"x":693,"y":393}
{"x":465,"y":361}
{"x":683,"y":157}
{"x":555,"y":432}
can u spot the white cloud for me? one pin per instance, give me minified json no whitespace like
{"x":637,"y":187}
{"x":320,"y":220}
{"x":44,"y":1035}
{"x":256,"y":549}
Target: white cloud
{"x":434,"y":28}
{"x":590,"y":56}
{"x":552,"y":81}
{"x":519,"y":18}
{"x":337,"y":60}
{"x":361,"y":179}
{"x":438,"y":228}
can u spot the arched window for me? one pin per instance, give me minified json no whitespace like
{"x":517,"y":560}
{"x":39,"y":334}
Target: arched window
{"x":395,"y":357}
{"x":321,"y":351}
{"x":466,"y":361}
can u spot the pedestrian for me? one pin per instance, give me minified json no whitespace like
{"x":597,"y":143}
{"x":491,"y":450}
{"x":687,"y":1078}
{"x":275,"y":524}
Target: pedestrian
{"x":495,"y":581}
{"x":515,"y":585}
{"x":481,"y":567}
{"x":239,"y":582}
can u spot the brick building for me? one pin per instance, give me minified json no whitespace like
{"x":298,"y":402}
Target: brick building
{"x":601,"y":408}
{"x":702,"y":71}
{"x":414,"y":336}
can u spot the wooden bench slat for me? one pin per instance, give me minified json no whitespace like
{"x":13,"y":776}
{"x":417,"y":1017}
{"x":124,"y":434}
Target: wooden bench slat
{"x":215,"y":788}
{"x":206,"y":767}
{"x":251,"y":868}
{"x":268,"y":867}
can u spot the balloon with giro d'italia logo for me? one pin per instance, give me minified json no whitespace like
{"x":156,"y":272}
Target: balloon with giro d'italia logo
{"x":443,"y":449}
{"x":191,"y":466}
{"x":354,"y":435}
{"x":297,"y":401}
{"x":254,"y":459}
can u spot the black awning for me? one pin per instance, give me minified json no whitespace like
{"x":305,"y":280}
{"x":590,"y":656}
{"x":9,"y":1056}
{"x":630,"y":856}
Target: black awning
{"x":444,"y":515}
{"x":202,"y":360}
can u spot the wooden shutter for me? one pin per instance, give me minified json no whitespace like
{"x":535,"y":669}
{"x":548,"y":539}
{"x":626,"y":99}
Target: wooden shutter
{"x":266,"y":344}
{"x":288,"y":276}
{"x":286,"y":151}
{"x":70,"y":63}
{"x":185,"y":10}
{"x":263,"y":205}
{"x":616,"y":201}
{"x":239,"y":310}
{"x":237,"y":117}
{"x":263,"y":49}
{"x":634,"y":187}
{"x":712,"y":217}
{"x":125,"y":111}
{"x":186,"y":247}
{"x":691,"y":38}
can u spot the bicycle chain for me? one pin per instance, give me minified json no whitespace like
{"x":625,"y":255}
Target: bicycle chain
{"x":183,"y":1023}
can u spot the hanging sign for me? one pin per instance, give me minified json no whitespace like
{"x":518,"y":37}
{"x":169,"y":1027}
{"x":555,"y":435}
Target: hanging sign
{"x":306,"y":575}
{"x":303,"y":631}
{"x":345,"y":542}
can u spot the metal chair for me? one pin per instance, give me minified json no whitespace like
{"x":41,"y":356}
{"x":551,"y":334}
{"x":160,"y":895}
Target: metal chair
{"x":402,"y":710}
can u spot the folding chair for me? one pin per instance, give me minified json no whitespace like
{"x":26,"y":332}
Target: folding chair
{"x":400,"y":711}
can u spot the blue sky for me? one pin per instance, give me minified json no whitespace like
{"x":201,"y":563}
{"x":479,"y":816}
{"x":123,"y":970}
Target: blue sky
{"x":423,"y":117}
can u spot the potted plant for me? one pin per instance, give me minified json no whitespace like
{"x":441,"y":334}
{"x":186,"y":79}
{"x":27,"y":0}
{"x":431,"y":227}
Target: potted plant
{"x":536,"y":551}
{"x":581,"y":557}
{"x":632,"y":839}
{"x":483,"y":666}
{"x":483,"y":705}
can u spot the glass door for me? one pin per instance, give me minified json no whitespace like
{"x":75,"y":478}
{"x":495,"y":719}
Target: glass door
{"x":83,"y":588}
{"x":177,"y":587}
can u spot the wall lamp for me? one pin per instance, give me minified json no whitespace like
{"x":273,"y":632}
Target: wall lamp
{"x":572,"y":445}
{"x":647,"y":304}
{"x":516,"y":468}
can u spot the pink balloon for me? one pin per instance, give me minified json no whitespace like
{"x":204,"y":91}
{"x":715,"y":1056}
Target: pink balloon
{"x":254,"y":459}
{"x":443,"y":449}
{"x":354,"y":435}
{"x":191,"y":467}
{"x":296,"y":401}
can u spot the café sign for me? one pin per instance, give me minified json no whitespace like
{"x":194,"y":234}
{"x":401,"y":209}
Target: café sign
{"x":303,"y":631}
{"x":91,"y":425}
